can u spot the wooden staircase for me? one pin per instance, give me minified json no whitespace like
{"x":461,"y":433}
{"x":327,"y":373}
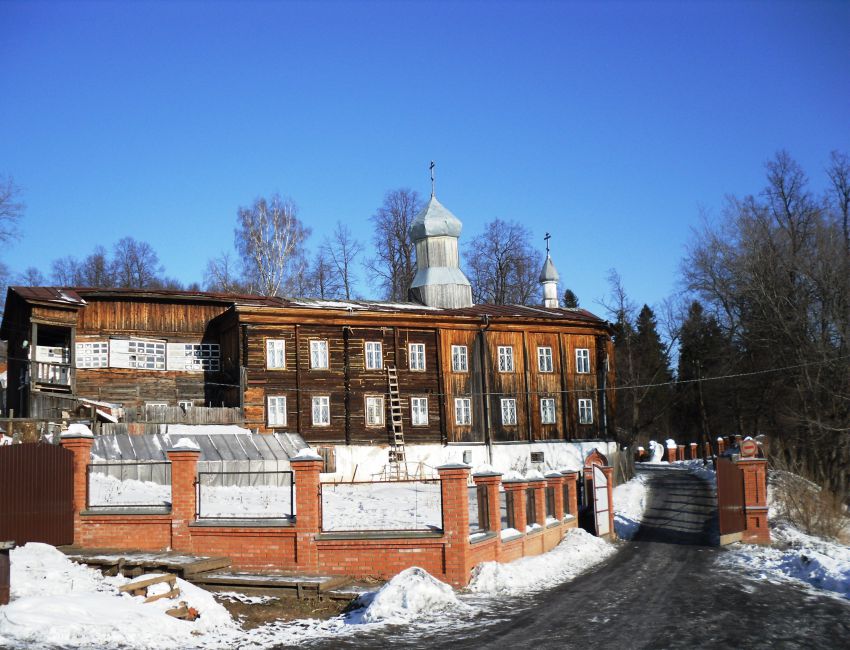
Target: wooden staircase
{"x":397,"y":466}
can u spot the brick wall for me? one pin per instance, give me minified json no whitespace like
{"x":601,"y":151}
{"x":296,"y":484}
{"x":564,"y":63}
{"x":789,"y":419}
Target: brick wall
{"x":303,"y":546}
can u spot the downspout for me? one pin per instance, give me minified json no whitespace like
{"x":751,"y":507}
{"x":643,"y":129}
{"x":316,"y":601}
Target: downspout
{"x":485,"y":385}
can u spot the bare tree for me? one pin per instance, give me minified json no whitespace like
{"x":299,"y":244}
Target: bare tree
{"x":222,"y":275}
{"x":503,"y":266}
{"x":324,"y":281}
{"x":135,"y":264}
{"x":394,"y":265}
{"x":269,"y":236}
{"x":11,"y":209}
{"x":341,"y":250}
{"x":31,"y":277}
{"x":65,"y":272}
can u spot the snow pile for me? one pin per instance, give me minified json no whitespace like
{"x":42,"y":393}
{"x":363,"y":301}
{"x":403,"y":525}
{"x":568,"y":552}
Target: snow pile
{"x":77,"y":430}
{"x":629,"y":506}
{"x":657,"y":451}
{"x":576,"y":553}
{"x":186,"y":444}
{"x":106,"y":490}
{"x":409,"y":505}
{"x":411,"y":594}
{"x":58,"y":603}
{"x":512,"y":475}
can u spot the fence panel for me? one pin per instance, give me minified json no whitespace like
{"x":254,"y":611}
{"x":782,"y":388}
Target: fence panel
{"x":129,"y":485}
{"x":479,"y":509}
{"x":246,"y":495}
{"x":377,"y":506}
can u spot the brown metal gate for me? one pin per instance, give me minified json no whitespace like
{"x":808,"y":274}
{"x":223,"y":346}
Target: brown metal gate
{"x":36,"y":494}
{"x":730,"y":498}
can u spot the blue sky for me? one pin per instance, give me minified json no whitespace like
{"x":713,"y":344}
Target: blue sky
{"x":608,"y":124}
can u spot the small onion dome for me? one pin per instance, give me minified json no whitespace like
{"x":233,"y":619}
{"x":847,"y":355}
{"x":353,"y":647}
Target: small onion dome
{"x":435,"y":221}
{"x":549,"y":273}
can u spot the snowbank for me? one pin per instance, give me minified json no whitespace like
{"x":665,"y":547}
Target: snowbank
{"x":576,"y":553}
{"x":413,"y":593}
{"x":629,"y":506}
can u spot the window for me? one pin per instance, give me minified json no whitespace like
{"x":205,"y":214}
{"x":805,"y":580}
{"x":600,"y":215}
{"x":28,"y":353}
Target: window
{"x":544,"y":359}
{"x":275,"y":353}
{"x":156,"y":407}
{"x":417,"y":356}
{"x":137,"y":353}
{"x":374,"y":355}
{"x":508,"y":411}
{"x":582,"y":360}
{"x":185,"y":404}
{"x":459,"y":359}
{"x":506,"y":358}
{"x":193,"y":356}
{"x":374,"y":411}
{"x":318,"y":354}
{"x":585,"y":411}
{"x":463,"y":411}
{"x":419,"y":411}
{"x":547,"y":410}
{"x":321,"y":411}
{"x":276,"y":411}
{"x":94,"y":354}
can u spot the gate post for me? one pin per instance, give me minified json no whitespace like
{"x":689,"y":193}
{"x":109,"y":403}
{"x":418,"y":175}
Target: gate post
{"x":453,"y":481}
{"x":571,"y":478}
{"x":307,"y":469}
{"x":79,"y":442}
{"x":755,"y":500}
{"x":184,"y":502}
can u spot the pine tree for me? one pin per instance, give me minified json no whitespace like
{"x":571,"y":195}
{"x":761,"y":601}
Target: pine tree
{"x":570,"y":300}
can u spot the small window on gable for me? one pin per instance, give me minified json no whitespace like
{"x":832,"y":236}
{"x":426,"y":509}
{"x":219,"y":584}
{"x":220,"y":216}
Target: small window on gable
{"x":374,"y":411}
{"x":544,"y":359}
{"x":318,"y":354}
{"x":506,"y":358}
{"x":276,"y":411}
{"x":585,"y":411}
{"x":582,"y":360}
{"x":374,"y":355}
{"x":509,"y":411}
{"x":460,"y":361}
{"x":275,"y":353}
{"x":417,"y":356}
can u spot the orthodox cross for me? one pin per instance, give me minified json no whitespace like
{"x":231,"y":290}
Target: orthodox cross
{"x":546,"y":239}
{"x":432,"y":177}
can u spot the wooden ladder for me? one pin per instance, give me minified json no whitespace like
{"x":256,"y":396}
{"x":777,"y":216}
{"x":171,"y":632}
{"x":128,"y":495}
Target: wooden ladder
{"x":398,"y":467}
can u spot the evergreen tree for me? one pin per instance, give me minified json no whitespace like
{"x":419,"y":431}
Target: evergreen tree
{"x":570,"y":300}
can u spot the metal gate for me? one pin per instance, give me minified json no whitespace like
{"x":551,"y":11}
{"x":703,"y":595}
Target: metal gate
{"x":600,"y":501}
{"x":36,"y":494}
{"x":730,"y":500}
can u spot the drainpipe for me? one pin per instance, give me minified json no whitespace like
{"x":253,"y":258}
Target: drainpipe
{"x":485,"y":385}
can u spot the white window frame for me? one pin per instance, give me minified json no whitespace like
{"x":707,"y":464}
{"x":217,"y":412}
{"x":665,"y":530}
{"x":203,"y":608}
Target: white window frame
{"x":373,"y":351}
{"x":585,"y":411}
{"x":460,"y":358}
{"x":506,"y":358}
{"x":545,"y":362}
{"x":548,"y":414}
{"x":194,"y":357}
{"x":463,"y":411}
{"x":92,"y":354}
{"x":321,"y":407}
{"x":276,"y":410}
{"x":509,"y":415}
{"x":375,"y":409}
{"x":276,"y":354}
{"x":319,"y":358}
{"x":582,"y":361}
{"x":156,"y":405}
{"x":416,"y":357}
{"x":419,"y":411}
{"x":138,"y":354}
{"x":185,"y":404}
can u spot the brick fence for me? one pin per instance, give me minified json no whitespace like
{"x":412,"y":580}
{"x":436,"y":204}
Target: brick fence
{"x":302,"y":545}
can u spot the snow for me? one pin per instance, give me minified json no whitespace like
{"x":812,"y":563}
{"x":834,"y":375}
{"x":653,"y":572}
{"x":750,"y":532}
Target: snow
{"x":671,"y":444}
{"x":629,"y":506}
{"x":509,"y":533}
{"x":186,"y":444}
{"x":657,"y":451}
{"x":246,"y":501}
{"x":58,"y":603}
{"x":105,"y":490}
{"x":534,"y":475}
{"x":77,"y":430}
{"x":512,"y":475}
{"x":410,"y":594}
{"x":409,"y":505}
{"x":307,"y":453}
{"x":577,"y":552}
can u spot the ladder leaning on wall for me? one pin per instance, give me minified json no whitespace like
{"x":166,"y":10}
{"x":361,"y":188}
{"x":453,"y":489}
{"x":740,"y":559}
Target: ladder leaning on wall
{"x":397,"y":469}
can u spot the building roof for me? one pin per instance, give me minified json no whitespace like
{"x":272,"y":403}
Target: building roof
{"x":55,"y":295}
{"x":549,"y":273}
{"x":433,"y":221}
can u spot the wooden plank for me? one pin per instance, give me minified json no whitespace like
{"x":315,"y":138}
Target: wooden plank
{"x":147,"y":582}
{"x":175,"y":591}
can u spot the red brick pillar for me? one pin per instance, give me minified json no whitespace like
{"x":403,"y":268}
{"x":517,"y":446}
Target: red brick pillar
{"x":571,"y":481}
{"x":609,"y":475}
{"x":555,"y":480}
{"x":755,"y":500}
{"x":515,"y":490}
{"x":539,"y":487}
{"x":680,"y":452}
{"x":453,"y":484}
{"x":706,"y":450}
{"x":721,"y":446}
{"x":80,"y":445}
{"x":694,"y":451}
{"x":308,"y":515}
{"x":491,"y":481}
{"x":184,"y":505}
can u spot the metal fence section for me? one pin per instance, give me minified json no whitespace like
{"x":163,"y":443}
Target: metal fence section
{"x":246,"y":495}
{"x":129,"y":485}
{"x":479,"y":509}
{"x":381,"y":506}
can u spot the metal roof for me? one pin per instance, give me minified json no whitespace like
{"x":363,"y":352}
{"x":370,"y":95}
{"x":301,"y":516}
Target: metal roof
{"x":435,"y":220}
{"x":549,"y":273}
{"x":57,"y":295}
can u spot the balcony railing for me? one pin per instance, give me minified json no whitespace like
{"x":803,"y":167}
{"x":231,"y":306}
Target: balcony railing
{"x":53,"y":374}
